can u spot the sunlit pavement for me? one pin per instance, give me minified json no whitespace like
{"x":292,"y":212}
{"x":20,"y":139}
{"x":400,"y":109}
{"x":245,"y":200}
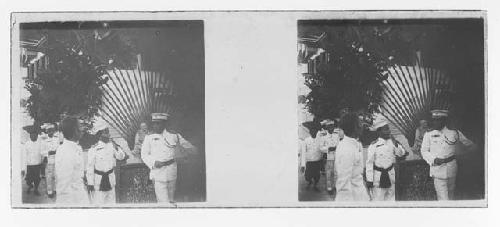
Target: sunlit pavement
{"x":31,"y":198}
{"x":309,"y":194}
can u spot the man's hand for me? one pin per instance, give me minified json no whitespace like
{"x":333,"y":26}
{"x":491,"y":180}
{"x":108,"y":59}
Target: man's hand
{"x":158,"y":164}
{"x":438,"y":161}
{"x":369,"y":184}
{"x":90,"y":188}
{"x":302,"y":169}
{"x":23,"y":173}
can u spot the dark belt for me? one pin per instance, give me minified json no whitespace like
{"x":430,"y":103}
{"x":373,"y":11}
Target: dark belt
{"x":52,"y":152}
{"x":385,"y":181}
{"x":105,"y":184}
{"x":449,"y":159}
{"x":169,"y":162}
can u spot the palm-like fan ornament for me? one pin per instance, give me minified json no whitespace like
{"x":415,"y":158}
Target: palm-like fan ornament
{"x":130,"y":96}
{"x":410,"y":92}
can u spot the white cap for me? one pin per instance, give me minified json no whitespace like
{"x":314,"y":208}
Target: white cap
{"x":378,"y":121}
{"x":159,"y":116}
{"x":47,"y":126}
{"x":98,"y":125}
{"x":439,"y":113}
{"x":327,"y":122}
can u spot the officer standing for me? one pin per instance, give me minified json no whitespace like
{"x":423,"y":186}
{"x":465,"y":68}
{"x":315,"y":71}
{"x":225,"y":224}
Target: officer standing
{"x":49,"y":147}
{"x":100,"y":165}
{"x":327,"y":145}
{"x":439,"y":148}
{"x":310,"y":160}
{"x":158,"y":153}
{"x":32,"y":162}
{"x":380,"y":174}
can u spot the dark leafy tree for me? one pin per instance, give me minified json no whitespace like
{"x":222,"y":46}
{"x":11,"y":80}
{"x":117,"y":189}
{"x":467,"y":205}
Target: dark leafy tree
{"x":78,"y":60}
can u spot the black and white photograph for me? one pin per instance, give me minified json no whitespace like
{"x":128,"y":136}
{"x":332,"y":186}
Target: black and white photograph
{"x":111,"y":113}
{"x":391,"y":110}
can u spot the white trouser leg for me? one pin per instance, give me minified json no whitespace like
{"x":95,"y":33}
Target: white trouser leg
{"x":161,"y":191}
{"x":451,"y":187}
{"x":329,"y":168}
{"x":50,"y":177}
{"x":441,"y":186}
{"x":103,"y":198}
{"x":379,"y":193}
{"x":171,"y":190}
{"x":390,"y":194}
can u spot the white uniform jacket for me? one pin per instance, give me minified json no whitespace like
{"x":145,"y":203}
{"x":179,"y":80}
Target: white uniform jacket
{"x":50,"y":144}
{"x":442,"y":144}
{"x":309,"y":151}
{"x":102,"y":157}
{"x":31,"y":154}
{"x":327,"y":141}
{"x":162,"y":147}
{"x":69,"y":174}
{"x":382,"y":153}
{"x":349,"y":171}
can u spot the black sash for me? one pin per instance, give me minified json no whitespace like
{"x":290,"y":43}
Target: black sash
{"x":385,"y":181}
{"x":449,"y":159}
{"x":52,"y":152}
{"x":105,"y":184}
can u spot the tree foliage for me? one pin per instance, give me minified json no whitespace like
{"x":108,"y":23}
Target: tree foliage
{"x":354,"y":68}
{"x":77,"y":64}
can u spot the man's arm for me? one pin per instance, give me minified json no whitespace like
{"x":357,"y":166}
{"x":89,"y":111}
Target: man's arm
{"x":146,"y":156}
{"x":370,"y":160}
{"x":90,"y":166}
{"x":190,"y":148}
{"x":425,"y":150}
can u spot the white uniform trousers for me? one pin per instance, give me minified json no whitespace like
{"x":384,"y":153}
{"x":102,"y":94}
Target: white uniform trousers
{"x":165,"y":191}
{"x":104,"y":197}
{"x":384,"y":194}
{"x":330,"y":174}
{"x":50,"y":177}
{"x":445,"y":188}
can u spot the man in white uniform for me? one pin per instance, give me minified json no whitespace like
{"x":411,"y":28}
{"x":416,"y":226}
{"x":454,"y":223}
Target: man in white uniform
{"x":439,"y":148}
{"x":310,"y":160}
{"x":32,"y":162}
{"x":349,"y":163}
{"x":327,"y":145}
{"x":380,"y":174}
{"x":158,"y":153}
{"x":69,"y":166}
{"x":49,"y":147}
{"x":100,"y":165}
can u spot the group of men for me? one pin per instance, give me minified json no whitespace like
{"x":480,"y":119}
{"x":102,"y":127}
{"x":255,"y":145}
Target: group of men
{"x":355,"y":178}
{"x":92,"y":181}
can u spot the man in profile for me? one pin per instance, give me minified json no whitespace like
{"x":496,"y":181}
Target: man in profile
{"x":439,"y":150}
{"x":158,"y":153}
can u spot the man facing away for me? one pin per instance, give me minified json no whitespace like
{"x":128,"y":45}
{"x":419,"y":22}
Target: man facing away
{"x":32,"y":162}
{"x":439,"y":149}
{"x":380,"y":173}
{"x":158,"y":153}
{"x":310,"y":160}
{"x":100,"y":165}
{"x":69,"y":166}
{"x":49,"y":147}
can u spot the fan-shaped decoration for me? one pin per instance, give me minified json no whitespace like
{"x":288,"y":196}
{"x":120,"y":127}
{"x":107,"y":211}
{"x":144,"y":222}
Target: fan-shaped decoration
{"x":130,"y":96}
{"x":410,"y":92}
